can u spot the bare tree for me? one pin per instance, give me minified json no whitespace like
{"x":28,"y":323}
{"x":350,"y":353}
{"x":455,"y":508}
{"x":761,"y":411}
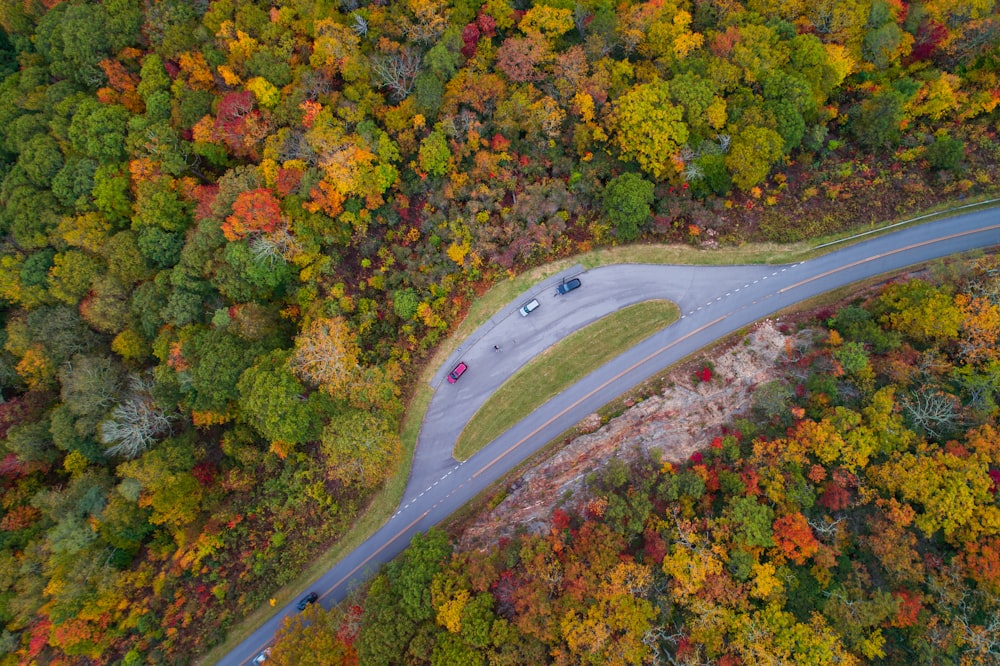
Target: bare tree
{"x":360,"y":25}
{"x":932,"y":410}
{"x":693,"y":172}
{"x":296,"y":147}
{"x":981,"y":639}
{"x":397,"y":71}
{"x":826,"y":529}
{"x":277,"y":246}
{"x":135,"y":423}
{"x":90,"y":384}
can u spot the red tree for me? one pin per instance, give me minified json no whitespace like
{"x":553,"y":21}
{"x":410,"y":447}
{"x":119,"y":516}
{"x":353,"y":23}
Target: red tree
{"x":794,"y":537}
{"x":253,"y":211}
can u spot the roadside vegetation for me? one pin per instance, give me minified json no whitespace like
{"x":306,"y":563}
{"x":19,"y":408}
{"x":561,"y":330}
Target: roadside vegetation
{"x":236,"y":233}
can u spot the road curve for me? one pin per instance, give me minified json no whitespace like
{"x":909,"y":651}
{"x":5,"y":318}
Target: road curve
{"x":714,"y":302}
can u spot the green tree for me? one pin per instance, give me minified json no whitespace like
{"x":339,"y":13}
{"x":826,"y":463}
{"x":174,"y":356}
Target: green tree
{"x":751,"y":155}
{"x":627,"y":200}
{"x":125,"y":260}
{"x":405,"y":303}
{"x":274,"y":402}
{"x":752,"y":521}
{"x":112,"y":193}
{"x":694,"y":94}
{"x":98,"y":130}
{"x":244,"y":276}
{"x":106,"y":306}
{"x":712,"y":176}
{"x":166,"y":485}
{"x":159,"y":204}
{"x":74,"y":37}
{"x":385,"y":629}
{"x":362,"y":448}
{"x":946,"y":153}
{"x":435,"y":154}
{"x":853,"y":357}
{"x":41,"y":159}
{"x":152,"y":77}
{"x":30,"y":215}
{"x":875,"y":122}
{"x":124,"y":524}
{"x":74,"y":183}
{"x":71,"y":275}
{"x":159,"y":248}
{"x":412,"y":575}
{"x":217,"y":360}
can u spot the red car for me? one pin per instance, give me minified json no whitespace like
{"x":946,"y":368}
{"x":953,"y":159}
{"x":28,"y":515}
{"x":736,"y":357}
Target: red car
{"x":457,"y":372}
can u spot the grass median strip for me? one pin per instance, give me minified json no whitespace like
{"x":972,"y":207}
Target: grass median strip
{"x":560,"y":366}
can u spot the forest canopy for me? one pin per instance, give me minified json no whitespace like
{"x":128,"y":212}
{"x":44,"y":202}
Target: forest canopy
{"x":233,"y":231}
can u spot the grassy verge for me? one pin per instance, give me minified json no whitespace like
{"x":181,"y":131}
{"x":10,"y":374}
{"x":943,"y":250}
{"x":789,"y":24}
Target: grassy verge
{"x":560,"y":366}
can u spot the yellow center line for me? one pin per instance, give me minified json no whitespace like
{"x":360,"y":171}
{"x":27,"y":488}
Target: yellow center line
{"x":377,"y":551}
{"x":594,"y":391}
{"x":357,"y":568}
{"x":887,"y":254}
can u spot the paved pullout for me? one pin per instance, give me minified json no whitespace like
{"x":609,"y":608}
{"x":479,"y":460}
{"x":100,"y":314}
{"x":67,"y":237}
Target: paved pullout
{"x":714,"y":302}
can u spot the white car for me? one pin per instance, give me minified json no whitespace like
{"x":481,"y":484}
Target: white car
{"x":529,"y":307}
{"x":262,"y":657}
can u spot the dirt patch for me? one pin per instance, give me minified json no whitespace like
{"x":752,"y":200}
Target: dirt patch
{"x":681,"y":420}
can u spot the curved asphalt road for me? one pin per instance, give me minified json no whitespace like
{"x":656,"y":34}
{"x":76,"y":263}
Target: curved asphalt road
{"x":714,"y":302}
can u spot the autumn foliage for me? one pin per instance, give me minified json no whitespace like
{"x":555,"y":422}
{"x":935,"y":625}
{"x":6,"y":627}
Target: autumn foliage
{"x":255,"y":211}
{"x":234,"y":233}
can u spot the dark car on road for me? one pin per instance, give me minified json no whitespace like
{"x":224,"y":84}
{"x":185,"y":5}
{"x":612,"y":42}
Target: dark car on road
{"x":457,"y":372}
{"x":569,"y":285}
{"x":308,"y":599}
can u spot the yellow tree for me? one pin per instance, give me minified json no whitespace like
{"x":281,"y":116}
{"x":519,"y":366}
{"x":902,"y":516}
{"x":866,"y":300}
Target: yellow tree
{"x":326,"y":355}
{"x":647,"y":128}
{"x":550,"y":22}
{"x":336,"y":50}
{"x":951,"y":491}
{"x":753,"y":151}
{"x":980,"y":339}
{"x":312,"y":638}
{"x":426,"y":20}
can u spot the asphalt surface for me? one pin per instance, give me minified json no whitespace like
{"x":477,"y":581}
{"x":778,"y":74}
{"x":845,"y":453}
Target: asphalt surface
{"x":714,"y":302}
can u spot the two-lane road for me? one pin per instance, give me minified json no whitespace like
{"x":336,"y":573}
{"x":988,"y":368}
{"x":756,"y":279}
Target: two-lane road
{"x":714,"y":302}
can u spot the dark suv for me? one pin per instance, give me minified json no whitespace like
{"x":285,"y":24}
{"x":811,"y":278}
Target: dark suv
{"x":308,"y":599}
{"x":569,"y":285}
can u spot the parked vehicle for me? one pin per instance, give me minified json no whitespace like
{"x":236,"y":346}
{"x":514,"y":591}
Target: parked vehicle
{"x":457,"y":372}
{"x":569,"y":285}
{"x":262,"y":657}
{"x":529,"y":307}
{"x":308,"y":599}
